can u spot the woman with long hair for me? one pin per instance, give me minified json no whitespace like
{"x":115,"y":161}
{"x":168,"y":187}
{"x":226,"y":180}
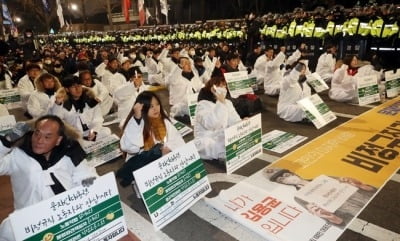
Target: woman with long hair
{"x":214,"y":113}
{"x":147,"y":135}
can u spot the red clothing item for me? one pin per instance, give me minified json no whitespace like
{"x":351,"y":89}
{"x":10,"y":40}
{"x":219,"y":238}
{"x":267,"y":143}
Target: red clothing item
{"x":351,"y":71}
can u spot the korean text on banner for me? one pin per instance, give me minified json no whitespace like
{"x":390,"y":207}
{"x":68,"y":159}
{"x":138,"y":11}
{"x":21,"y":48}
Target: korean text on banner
{"x":280,"y":141}
{"x":316,"y":82}
{"x":239,"y":83}
{"x":192,"y":103}
{"x":172,"y":184}
{"x":82,"y":213}
{"x":243,"y":143}
{"x":317,"y":111}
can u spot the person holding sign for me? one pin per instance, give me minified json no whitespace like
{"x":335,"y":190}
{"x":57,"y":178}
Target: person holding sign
{"x":344,"y":82}
{"x":214,"y":113}
{"x":147,"y":134}
{"x":293,"y":88}
{"x":345,"y":209}
{"x":42,"y":99}
{"x":42,"y":162}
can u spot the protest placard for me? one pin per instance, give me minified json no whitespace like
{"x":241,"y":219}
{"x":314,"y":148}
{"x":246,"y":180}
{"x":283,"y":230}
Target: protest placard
{"x":192,"y":104}
{"x":392,"y":83}
{"x":368,"y":90}
{"x":10,"y":98}
{"x":102,"y":150}
{"x":242,"y":143}
{"x":172,"y":184}
{"x":316,"y":82}
{"x":280,"y":141}
{"x":182,"y":128}
{"x":239,"y":83}
{"x":7,"y":122}
{"x":316,"y":110}
{"x":82,"y":213}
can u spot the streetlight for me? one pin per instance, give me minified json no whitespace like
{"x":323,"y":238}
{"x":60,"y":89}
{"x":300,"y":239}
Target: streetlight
{"x":17,"y":19}
{"x":74,"y":7}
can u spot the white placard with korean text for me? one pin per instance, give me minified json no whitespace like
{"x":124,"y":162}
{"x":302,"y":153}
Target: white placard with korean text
{"x":82,"y":213}
{"x":280,"y":141}
{"x":239,"y":83}
{"x":102,"y":150}
{"x":367,"y":90}
{"x":392,"y":83}
{"x":172,"y":184}
{"x":316,"y":110}
{"x":243,"y":143}
{"x":10,"y":98}
{"x":7,"y":122}
{"x":182,"y":128}
{"x":192,"y":104}
{"x":316,"y":82}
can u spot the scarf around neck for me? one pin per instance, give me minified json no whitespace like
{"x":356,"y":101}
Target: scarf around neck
{"x":158,"y":132}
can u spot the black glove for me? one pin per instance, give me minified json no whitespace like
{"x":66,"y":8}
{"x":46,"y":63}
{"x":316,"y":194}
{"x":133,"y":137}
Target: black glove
{"x":18,"y":131}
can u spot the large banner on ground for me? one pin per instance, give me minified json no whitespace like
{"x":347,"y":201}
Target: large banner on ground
{"x":82,"y":213}
{"x":314,"y":192}
{"x":242,"y":143}
{"x":172,"y":184}
{"x":239,"y":83}
{"x":10,"y":98}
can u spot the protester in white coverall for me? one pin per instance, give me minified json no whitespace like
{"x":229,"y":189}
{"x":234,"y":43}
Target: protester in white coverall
{"x":272,"y":74}
{"x":41,"y":163}
{"x":154,"y":67}
{"x":42,"y":99}
{"x":99,"y":90}
{"x":327,"y":63}
{"x":214,"y":113}
{"x":26,"y":84}
{"x":126,"y":94}
{"x":293,"y":88}
{"x":112,"y":78}
{"x":181,"y":82}
{"x":344,"y":80}
{"x":78,"y":106}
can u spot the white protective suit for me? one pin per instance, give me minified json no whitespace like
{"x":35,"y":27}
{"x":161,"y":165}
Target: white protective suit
{"x":125,"y":97}
{"x":291,"y":92}
{"x":91,"y":116}
{"x":101,"y":69}
{"x":211,"y":120}
{"x":25,"y":88}
{"x":39,"y":104}
{"x":132,"y":138}
{"x":179,"y":88}
{"x":113,"y":81}
{"x":154,"y":69}
{"x":102,"y":93}
{"x":326,"y":66}
{"x":344,"y":86}
{"x":272,"y":75}
{"x":31,"y":184}
{"x":209,"y":63}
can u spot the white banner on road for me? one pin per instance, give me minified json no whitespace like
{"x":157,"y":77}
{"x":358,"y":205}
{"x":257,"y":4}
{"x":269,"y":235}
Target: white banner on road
{"x":317,"y":111}
{"x":368,"y":90}
{"x":172,"y":184}
{"x":82,"y":213}
{"x":243,"y":143}
{"x":280,"y":141}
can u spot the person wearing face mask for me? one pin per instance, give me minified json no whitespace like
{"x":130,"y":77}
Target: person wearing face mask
{"x":58,"y":70}
{"x":293,"y":88}
{"x":42,"y":99}
{"x":154,"y":67}
{"x":182,"y":82}
{"x":26,"y":84}
{"x":48,"y":64}
{"x":214,"y":113}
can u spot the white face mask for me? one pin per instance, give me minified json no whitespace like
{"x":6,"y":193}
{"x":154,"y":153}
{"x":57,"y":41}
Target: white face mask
{"x":57,"y":70}
{"x":47,"y":61}
{"x":221,"y":91}
{"x":142,"y":56}
{"x":132,"y":56}
{"x":41,"y":66}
